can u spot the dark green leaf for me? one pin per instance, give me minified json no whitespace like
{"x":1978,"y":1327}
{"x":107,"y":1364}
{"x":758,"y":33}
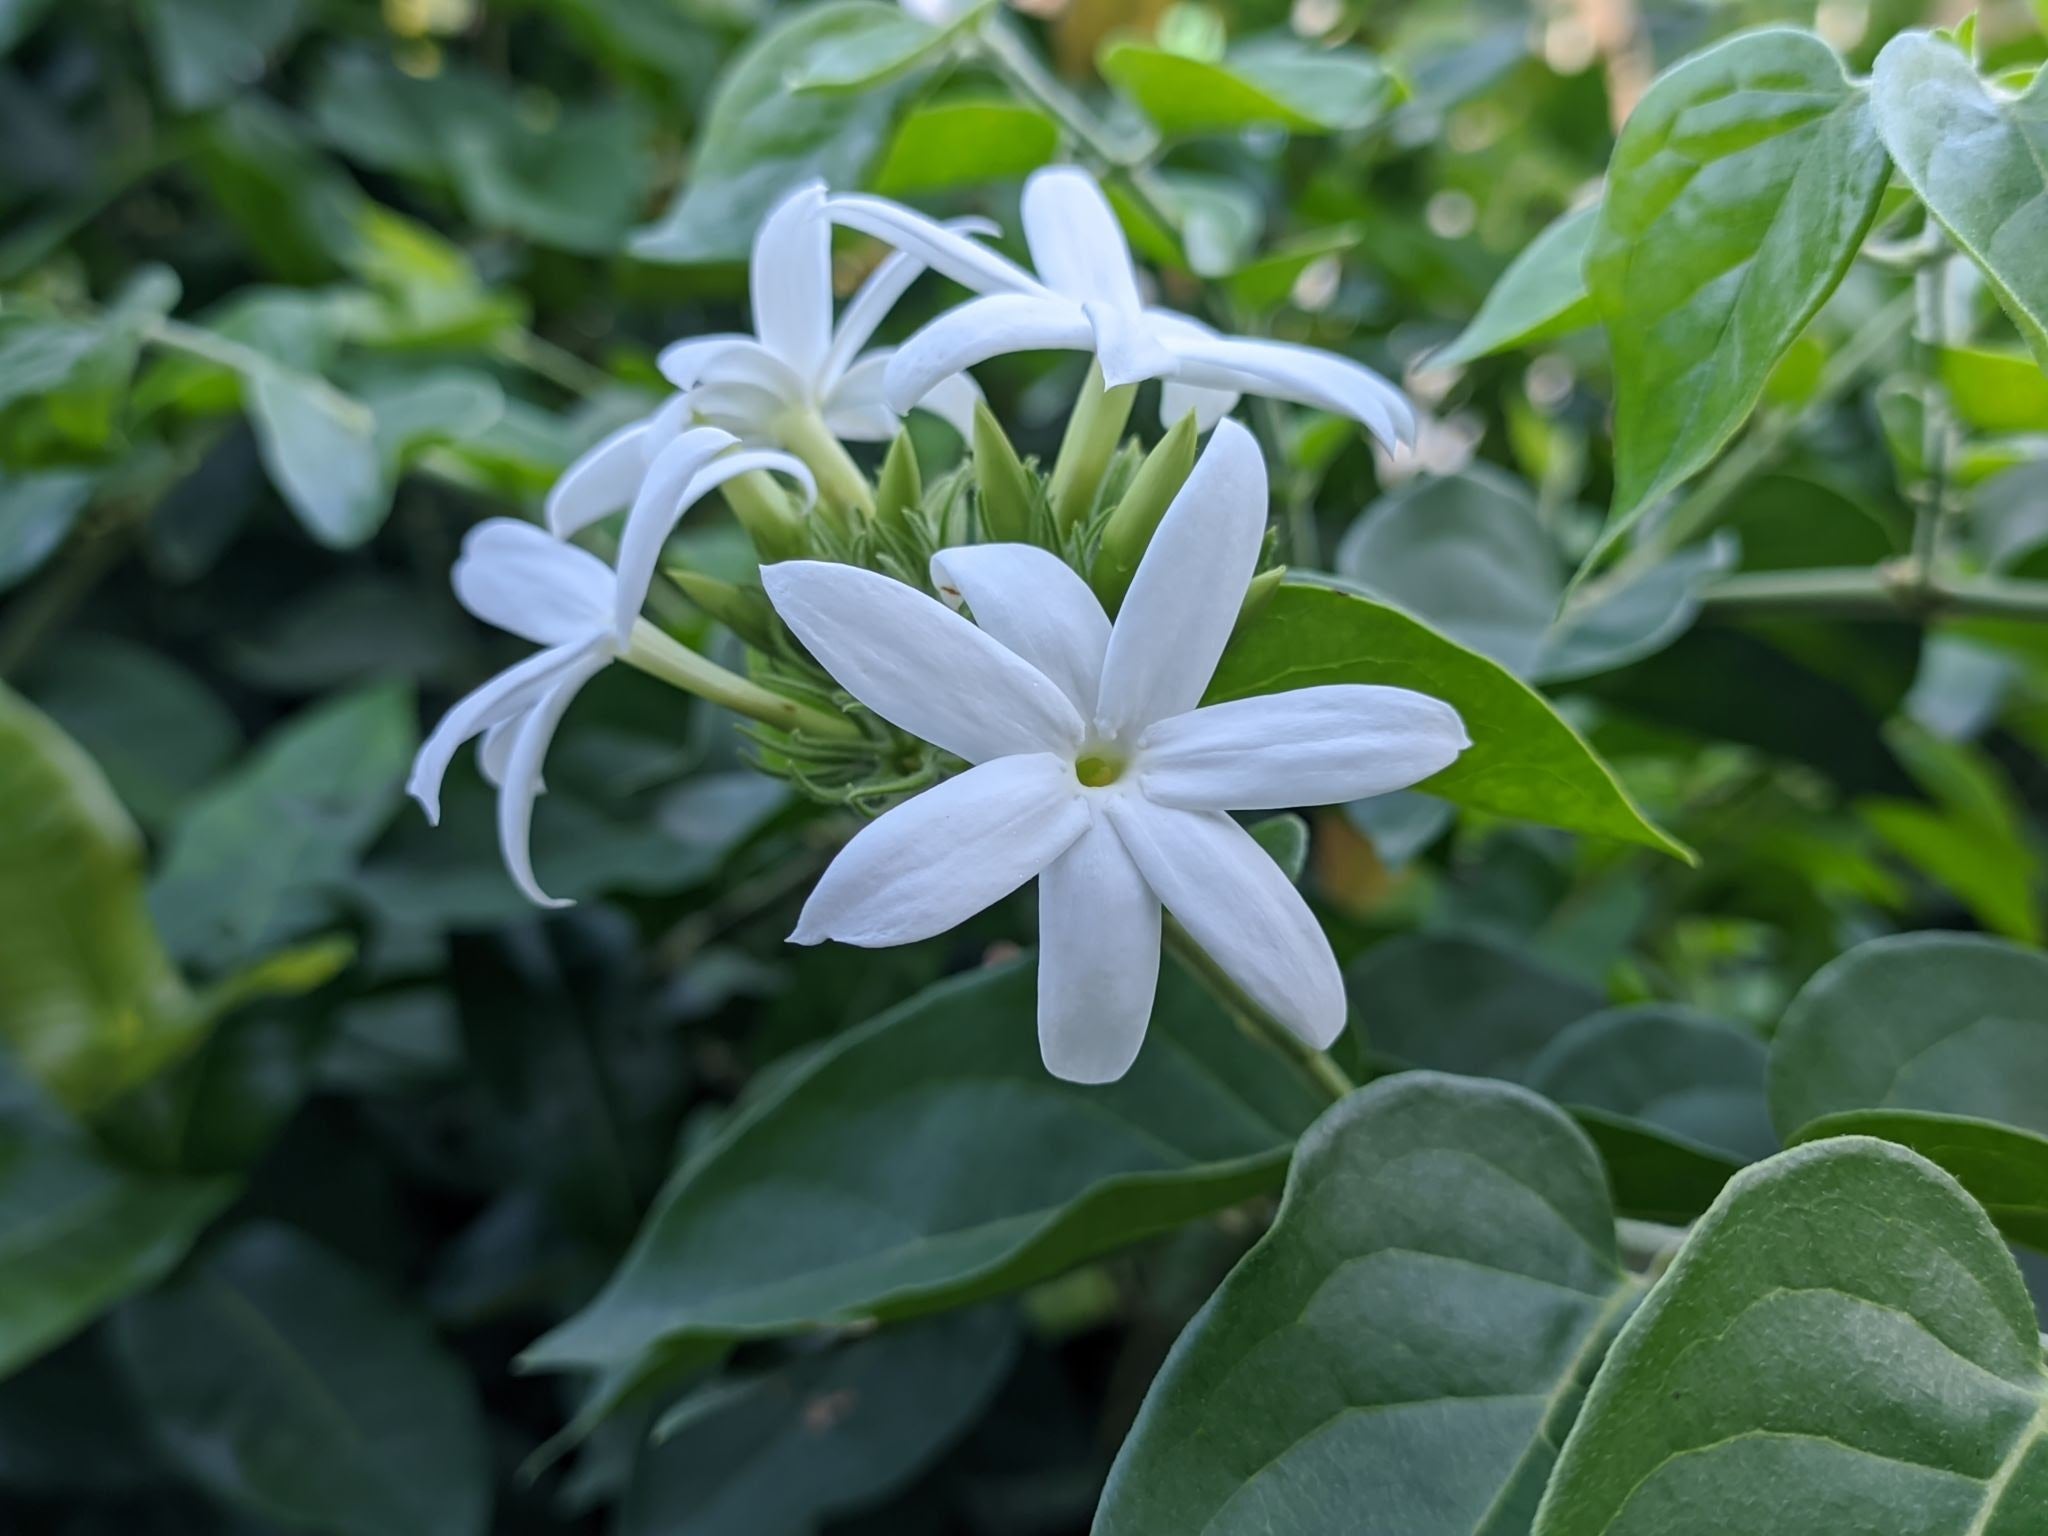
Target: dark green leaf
{"x":1542,"y":294}
{"x":927,"y":1159}
{"x":254,"y":861}
{"x":1843,"y":1345}
{"x":89,"y":1002}
{"x":206,"y":50}
{"x":78,"y":1232}
{"x":1402,"y":1354}
{"x":1525,"y":762}
{"x":762,"y":138}
{"x":779,"y":1453}
{"x":1271,"y":81}
{"x":291,"y":1387}
{"x":1461,"y":1005}
{"x":1975,"y":154}
{"x":320,"y":448}
{"x":1741,"y":187}
{"x":36,"y":514}
{"x":886,"y":43}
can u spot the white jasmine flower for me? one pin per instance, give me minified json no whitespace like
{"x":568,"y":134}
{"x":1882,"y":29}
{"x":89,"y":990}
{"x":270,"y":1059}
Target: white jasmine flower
{"x":1095,"y":770}
{"x":582,"y":613}
{"x":1084,"y":296}
{"x":796,"y":383}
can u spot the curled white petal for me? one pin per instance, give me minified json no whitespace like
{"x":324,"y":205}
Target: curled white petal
{"x":857,"y":409}
{"x":1236,"y":903}
{"x":528,"y":583}
{"x":603,"y":481}
{"x":674,"y":484}
{"x":682,"y":363}
{"x":1283,"y":371}
{"x":485,"y":710}
{"x":1098,"y":959}
{"x":939,"y":858}
{"x":1125,"y":347}
{"x":522,"y":781}
{"x":1209,"y":405}
{"x":981,"y":329}
{"x":1077,"y":246}
{"x":1307,"y":746}
{"x":1184,"y":600}
{"x":1036,"y":605}
{"x":948,"y":252}
{"x":873,"y":300}
{"x":919,"y":665}
{"x":791,"y":280}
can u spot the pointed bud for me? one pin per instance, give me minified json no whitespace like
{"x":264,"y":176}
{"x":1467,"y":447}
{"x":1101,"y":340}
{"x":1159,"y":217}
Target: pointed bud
{"x":774,"y":522}
{"x":1007,"y":496}
{"x":1093,"y":431}
{"x":1260,"y":593}
{"x":745,"y":611}
{"x":900,"y":488}
{"x":1128,"y":533}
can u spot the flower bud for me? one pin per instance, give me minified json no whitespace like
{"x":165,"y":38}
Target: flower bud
{"x":773,"y":522}
{"x":1008,"y":498}
{"x":1130,"y":527}
{"x":900,"y":487}
{"x":745,"y":611}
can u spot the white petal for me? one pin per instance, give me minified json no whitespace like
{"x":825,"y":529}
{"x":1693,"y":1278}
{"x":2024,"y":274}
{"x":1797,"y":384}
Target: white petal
{"x":745,"y":388}
{"x":1304,"y":375}
{"x":981,"y":329}
{"x":601,"y":482}
{"x":1034,"y":603}
{"x":873,"y":300}
{"x":1241,"y":908}
{"x":1125,"y":347}
{"x":939,"y":858}
{"x":952,"y":401}
{"x":791,"y":280}
{"x":1311,"y":746}
{"x":1184,"y":599}
{"x":1209,"y":405}
{"x":521,"y":782}
{"x":528,"y":583}
{"x":1098,"y":959}
{"x":674,"y":484}
{"x":857,"y":409}
{"x":494,"y":752}
{"x":1076,"y":243}
{"x":946,"y":251}
{"x":919,"y":665}
{"x":683,"y":362}
{"x":485,"y":709}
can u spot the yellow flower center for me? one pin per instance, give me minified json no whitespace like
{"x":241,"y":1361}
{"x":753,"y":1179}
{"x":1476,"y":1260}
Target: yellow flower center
{"x":1098,"y":769}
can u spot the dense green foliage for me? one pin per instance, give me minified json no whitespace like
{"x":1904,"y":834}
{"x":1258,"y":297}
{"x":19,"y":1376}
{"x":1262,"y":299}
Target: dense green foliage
{"x":1684,"y":1168}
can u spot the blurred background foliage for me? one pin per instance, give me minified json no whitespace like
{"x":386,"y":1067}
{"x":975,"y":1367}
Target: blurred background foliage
{"x":309,"y":1126}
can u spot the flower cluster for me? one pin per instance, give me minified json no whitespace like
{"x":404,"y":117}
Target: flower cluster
{"x":1086,"y":759}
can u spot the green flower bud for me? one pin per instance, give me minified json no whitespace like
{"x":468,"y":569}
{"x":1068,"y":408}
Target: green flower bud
{"x":1129,"y":530}
{"x":1009,"y":500}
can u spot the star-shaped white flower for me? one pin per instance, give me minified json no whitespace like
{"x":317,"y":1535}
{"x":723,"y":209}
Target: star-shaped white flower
{"x":795,"y":376}
{"x":1084,"y":296}
{"x":583,"y":614}
{"x":1095,"y":770}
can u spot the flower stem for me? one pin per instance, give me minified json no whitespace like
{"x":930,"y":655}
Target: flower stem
{"x":772,"y":522}
{"x":840,"y":481}
{"x":1930,"y":486}
{"x":661,"y":655}
{"x":1254,"y":1020}
{"x":1093,"y":432}
{"x":1894,"y":591}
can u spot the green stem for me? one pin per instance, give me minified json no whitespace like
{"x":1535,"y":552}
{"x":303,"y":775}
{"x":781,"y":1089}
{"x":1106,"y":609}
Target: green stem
{"x":1930,"y":486}
{"x":1895,"y":591}
{"x":558,"y":365}
{"x":1251,"y":1018}
{"x":771,"y":519}
{"x":659,"y":654}
{"x":1093,"y":431}
{"x":840,"y":481}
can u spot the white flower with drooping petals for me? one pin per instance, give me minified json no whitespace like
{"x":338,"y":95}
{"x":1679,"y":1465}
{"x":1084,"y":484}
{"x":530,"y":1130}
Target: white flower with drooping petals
{"x":1084,"y":296}
{"x":583,"y":614}
{"x":795,"y":375}
{"x":1095,"y":769}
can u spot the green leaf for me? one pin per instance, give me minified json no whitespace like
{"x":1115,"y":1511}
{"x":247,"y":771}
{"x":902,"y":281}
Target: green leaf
{"x":1844,"y":1344}
{"x":782,"y":1452}
{"x":1271,"y":81}
{"x":37,"y":512}
{"x":291,"y":1387}
{"x":206,"y":50}
{"x":761,"y":137}
{"x":88,"y":999}
{"x":81,"y":1231}
{"x":1995,"y":390}
{"x":883,"y":44}
{"x":1464,"y":1005}
{"x":1939,"y":1040}
{"x":1673,"y":1099}
{"x":320,"y":448}
{"x":1402,"y":1353}
{"x":1525,"y":762}
{"x":966,"y":142}
{"x":255,"y":861}
{"x":1542,"y":294}
{"x":1975,"y":154}
{"x":926,"y":1160}
{"x":575,"y":180}
{"x":1739,"y":191}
